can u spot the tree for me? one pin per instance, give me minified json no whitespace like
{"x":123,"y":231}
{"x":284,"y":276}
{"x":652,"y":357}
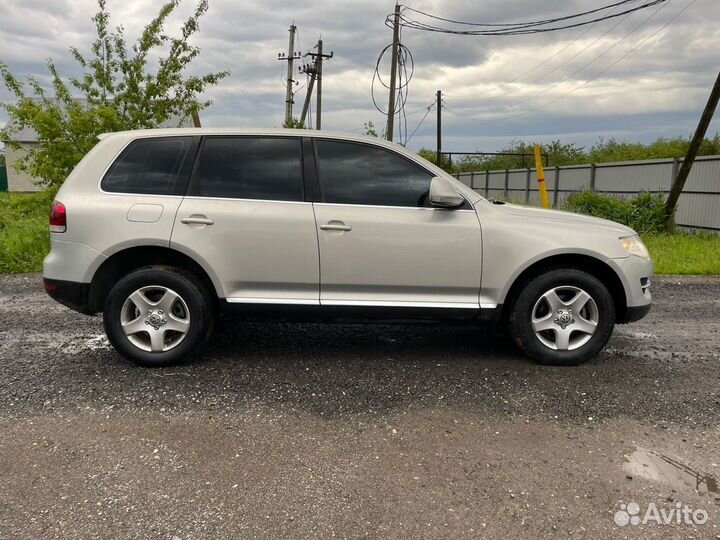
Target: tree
{"x":370,"y":129}
{"x":604,"y":151}
{"x":118,"y":90}
{"x":293,"y":123}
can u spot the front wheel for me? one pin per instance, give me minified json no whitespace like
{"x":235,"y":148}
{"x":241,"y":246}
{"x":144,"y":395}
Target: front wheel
{"x":158,"y":316}
{"x":563,"y":317}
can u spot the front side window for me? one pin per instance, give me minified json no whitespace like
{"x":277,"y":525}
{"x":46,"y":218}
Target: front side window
{"x":267,"y":168}
{"x":354,"y":173}
{"x":148,"y":166}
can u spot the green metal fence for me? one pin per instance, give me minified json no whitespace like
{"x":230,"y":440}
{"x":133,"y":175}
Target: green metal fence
{"x":3,"y":179}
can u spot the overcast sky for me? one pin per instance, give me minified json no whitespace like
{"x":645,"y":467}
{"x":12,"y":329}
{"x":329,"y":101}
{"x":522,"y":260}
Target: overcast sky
{"x":496,"y":88}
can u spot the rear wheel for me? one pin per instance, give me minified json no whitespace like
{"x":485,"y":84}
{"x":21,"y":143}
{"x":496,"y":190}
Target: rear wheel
{"x":563,"y":317}
{"x":158,"y":316}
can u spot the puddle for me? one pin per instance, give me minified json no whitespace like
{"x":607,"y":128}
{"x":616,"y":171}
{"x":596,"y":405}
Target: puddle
{"x":654,"y":466}
{"x":80,"y":344}
{"x":625,"y":332}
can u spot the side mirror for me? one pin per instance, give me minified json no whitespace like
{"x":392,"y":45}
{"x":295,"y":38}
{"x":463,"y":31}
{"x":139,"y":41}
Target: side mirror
{"x":443,"y":194}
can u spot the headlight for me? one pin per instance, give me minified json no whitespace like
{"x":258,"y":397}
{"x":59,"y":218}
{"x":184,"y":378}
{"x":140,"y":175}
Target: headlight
{"x":634,"y":246}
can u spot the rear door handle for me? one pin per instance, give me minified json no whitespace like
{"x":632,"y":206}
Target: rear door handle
{"x":336,"y":226}
{"x":197,"y":220}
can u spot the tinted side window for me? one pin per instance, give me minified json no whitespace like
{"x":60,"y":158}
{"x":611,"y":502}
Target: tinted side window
{"x":352,"y":173}
{"x":148,"y":166}
{"x":249,"y":168}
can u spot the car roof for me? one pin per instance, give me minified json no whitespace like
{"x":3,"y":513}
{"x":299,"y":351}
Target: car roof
{"x":174,"y":132}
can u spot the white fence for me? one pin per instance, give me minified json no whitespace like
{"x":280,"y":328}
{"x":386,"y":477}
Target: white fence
{"x":698,"y":207}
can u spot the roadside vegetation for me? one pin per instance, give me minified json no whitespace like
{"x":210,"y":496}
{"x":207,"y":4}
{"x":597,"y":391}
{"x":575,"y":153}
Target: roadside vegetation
{"x":559,"y":154}
{"x":672,"y":252}
{"x":687,"y":254}
{"x":644,"y":213}
{"x":24,"y":237}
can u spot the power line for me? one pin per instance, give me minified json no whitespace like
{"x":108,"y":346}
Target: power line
{"x":541,"y":64}
{"x":247,"y":85}
{"x":608,"y":68}
{"x":588,"y":64}
{"x":523,"y":24}
{"x":405,"y":72}
{"x":427,"y":112}
{"x":533,"y":27}
{"x":545,"y":74}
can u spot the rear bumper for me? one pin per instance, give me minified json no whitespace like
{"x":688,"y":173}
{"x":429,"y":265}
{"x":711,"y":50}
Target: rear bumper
{"x":70,"y":293}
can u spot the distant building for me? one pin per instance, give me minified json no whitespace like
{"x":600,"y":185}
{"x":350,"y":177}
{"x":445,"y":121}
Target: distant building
{"x":27,"y":140}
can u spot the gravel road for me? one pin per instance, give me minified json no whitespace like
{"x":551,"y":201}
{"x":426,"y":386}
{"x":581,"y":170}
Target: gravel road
{"x":350,"y":431}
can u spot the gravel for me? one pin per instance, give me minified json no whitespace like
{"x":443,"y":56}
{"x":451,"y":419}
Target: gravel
{"x":317,"y":431}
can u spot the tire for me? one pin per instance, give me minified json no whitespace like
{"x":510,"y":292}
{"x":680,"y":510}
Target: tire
{"x":158,"y":316}
{"x":563,"y":317}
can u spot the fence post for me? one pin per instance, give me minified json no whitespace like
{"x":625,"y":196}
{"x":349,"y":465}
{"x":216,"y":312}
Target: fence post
{"x":3,"y":179}
{"x":557,"y":186}
{"x":487,"y":183}
{"x":507,"y":181}
{"x":472,"y":180}
{"x":527,"y":186}
{"x":592,"y":177}
{"x":675,"y":169}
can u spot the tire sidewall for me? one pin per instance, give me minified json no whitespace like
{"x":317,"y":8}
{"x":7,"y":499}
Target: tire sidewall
{"x":521,"y":316}
{"x":190,"y":291}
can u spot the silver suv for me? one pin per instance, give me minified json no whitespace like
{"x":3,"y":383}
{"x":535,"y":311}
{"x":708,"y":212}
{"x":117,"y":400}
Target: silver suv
{"x":164,"y":230}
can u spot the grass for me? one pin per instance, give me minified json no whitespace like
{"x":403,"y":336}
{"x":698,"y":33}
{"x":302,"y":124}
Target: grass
{"x":685,"y":253}
{"x":24,"y":237}
{"x":24,"y":241}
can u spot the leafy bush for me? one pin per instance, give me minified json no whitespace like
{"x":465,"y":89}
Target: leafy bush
{"x":644,"y":213}
{"x":24,"y":237}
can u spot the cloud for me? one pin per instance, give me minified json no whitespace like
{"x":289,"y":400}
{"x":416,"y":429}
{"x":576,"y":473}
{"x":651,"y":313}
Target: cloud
{"x":496,"y":88}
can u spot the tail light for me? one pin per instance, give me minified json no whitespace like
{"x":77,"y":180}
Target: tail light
{"x":58,"y":217}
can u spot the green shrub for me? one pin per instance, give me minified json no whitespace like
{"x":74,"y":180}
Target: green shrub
{"x":644,"y":213}
{"x":24,"y":237}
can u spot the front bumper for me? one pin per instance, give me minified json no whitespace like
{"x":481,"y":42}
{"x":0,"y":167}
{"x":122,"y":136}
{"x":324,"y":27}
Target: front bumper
{"x":635,"y":313}
{"x":635,"y":274}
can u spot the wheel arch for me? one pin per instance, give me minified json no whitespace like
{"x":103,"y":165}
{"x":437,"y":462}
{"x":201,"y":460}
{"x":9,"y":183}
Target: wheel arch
{"x":125,"y":261}
{"x":587,"y":263}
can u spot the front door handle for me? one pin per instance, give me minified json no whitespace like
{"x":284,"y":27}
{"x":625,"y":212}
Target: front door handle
{"x":197,"y":220}
{"x":336,"y":226}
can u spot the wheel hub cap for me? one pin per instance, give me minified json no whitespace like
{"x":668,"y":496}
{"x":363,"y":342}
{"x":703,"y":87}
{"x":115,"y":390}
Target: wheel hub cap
{"x":564,"y":318}
{"x":155,"y":319}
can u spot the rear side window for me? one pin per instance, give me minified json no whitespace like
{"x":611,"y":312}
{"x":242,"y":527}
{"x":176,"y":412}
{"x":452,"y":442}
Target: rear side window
{"x":148,"y":166}
{"x":267,"y":168}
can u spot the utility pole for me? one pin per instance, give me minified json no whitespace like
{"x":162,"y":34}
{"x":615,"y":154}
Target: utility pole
{"x":393,"y":73}
{"x":310,"y":70}
{"x":289,"y":58}
{"x":318,"y":107}
{"x":682,"y":176}
{"x":438,"y":106}
{"x":315,"y":72}
{"x":196,"y":119}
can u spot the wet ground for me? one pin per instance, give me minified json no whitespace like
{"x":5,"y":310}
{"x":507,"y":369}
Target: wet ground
{"x":312,"y":431}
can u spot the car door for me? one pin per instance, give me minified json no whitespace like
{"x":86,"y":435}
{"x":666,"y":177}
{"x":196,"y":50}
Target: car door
{"x":245,"y":218}
{"x":381,"y":244}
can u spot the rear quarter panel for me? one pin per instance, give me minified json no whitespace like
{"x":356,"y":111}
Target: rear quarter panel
{"x":108,"y":222}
